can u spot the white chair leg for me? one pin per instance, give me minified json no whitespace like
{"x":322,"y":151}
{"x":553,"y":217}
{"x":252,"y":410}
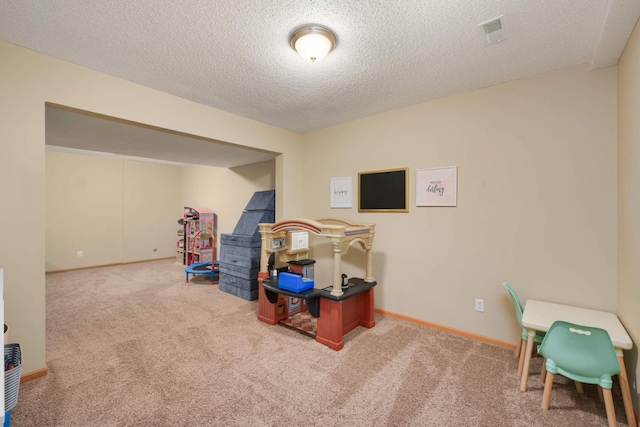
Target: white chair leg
{"x":518,"y":348}
{"x":546,"y":396}
{"x":608,"y":403}
{"x":523,"y":349}
{"x":579,"y":387}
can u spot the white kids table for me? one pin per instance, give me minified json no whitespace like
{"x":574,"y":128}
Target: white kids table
{"x":540,"y":315}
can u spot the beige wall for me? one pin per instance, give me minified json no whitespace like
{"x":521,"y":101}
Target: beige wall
{"x":113,"y":210}
{"x":151,"y":208}
{"x":83,"y":210}
{"x":629,"y":199}
{"x":117,"y":210}
{"x":536,"y":199}
{"x":28,"y":80}
{"x":22,"y":220}
{"x":225,"y":191}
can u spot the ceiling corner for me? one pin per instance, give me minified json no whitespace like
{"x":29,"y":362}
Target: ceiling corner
{"x":618,"y":22}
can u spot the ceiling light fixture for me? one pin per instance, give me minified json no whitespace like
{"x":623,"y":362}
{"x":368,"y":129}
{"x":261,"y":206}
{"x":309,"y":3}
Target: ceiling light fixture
{"x":313,"y":42}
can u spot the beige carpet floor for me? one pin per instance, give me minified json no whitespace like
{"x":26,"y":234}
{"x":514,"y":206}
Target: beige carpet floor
{"x":134,"y":345}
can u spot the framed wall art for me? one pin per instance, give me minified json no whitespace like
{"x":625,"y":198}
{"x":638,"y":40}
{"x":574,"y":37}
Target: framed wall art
{"x":384,"y":190}
{"x":341,"y":192}
{"x":437,"y":186}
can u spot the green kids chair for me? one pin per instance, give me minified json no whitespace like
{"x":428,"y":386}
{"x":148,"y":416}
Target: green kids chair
{"x":583,"y":354}
{"x":522,"y":342}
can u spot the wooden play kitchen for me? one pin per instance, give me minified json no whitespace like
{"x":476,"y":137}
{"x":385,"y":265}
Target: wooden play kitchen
{"x":338,"y":308}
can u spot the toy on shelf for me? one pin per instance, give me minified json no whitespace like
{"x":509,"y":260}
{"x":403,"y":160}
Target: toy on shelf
{"x":180,"y":242}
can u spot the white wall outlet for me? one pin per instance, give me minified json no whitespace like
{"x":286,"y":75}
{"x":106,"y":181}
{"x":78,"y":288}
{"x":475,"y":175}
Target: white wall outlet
{"x":80,"y":254}
{"x":480,"y":305}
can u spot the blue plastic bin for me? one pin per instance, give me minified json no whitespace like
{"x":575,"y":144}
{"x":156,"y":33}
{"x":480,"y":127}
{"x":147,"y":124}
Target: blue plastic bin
{"x":294,"y":282}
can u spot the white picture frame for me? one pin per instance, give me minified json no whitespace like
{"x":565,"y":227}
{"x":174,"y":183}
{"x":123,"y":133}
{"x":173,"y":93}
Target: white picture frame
{"x":437,"y":186}
{"x":341,"y":193}
{"x":299,"y":240}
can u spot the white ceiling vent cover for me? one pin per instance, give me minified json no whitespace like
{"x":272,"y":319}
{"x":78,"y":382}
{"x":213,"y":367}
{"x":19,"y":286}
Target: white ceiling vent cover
{"x":493,"y":30}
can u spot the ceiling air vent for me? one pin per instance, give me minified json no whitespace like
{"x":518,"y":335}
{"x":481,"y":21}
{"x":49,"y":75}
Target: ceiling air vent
{"x":493,"y":30}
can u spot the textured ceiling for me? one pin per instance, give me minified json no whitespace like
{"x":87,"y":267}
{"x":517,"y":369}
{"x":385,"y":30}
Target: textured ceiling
{"x":235,"y":55}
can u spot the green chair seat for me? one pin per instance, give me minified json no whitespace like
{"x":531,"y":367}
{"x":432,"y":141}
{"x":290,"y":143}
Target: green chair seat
{"x":582,"y":354}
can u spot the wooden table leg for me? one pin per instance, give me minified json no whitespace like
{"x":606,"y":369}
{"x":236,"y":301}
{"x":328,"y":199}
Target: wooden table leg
{"x":626,"y":391}
{"x":527,"y":361}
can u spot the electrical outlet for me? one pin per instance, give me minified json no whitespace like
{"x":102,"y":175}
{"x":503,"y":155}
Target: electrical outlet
{"x":80,"y":254}
{"x":480,"y":305}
